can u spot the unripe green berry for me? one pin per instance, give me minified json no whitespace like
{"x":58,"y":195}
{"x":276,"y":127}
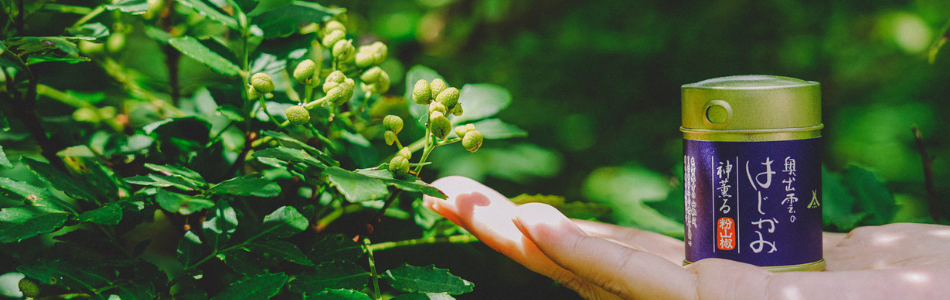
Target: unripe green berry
{"x":436,"y":106}
{"x":393,"y":122}
{"x":337,"y":76}
{"x":348,"y":87}
{"x":371,"y":75}
{"x":332,"y":38}
{"x":399,"y":166}
{"x":461,"y":130}
{"x":297,"y":115}
{"x":333,"y":80}
{"x":472,"y":140}
{"x":252,"y":93}
{"x":458,"y":110}
{"x":334,"y":25}
{"x":448,"y":97}
{"x":421,"y":93}
{"x":304,"y":71}
{"x":439,"y":125}
{"x":405,"y":152}
{"x":390,"y":137}
{"x":116,"y":42}
{"x":262,"y":83}
{"x":29,"y":288}
{"x":380,"y":52}
{"x":382,"y":85}
{"x":438,"y":85}
{"x":335,"y":93}
{"x":364,"y":58}
{"x":343,"y":50}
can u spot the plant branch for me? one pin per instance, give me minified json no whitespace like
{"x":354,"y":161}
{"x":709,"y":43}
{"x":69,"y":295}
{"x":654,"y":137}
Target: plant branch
{"x":927,"y":161}
{"x":455,"y":239}
{"x":372,"y":269}
{"x":368,"y":229}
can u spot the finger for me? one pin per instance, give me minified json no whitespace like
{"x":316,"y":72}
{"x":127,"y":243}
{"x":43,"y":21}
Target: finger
{"x":660,"y":245}
{"x":620,"y":270}
{"x":487,"y":214}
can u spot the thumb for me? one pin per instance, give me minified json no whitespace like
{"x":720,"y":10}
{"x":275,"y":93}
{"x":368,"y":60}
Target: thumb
{"x":621,"y":270}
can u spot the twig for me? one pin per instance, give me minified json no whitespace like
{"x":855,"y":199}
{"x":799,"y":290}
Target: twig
{"x":455,"y":239}
{"x":927,"y":161}
{"x":372,"y":268}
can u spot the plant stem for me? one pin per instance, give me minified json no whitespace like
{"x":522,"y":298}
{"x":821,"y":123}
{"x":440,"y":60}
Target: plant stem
{"x":92,"y":14}
{"x":336,"y":214}
{"x":455,"y":239}
{"x":269,"y":116}
{"x":927,"y":161}
{"x":372,"y":269}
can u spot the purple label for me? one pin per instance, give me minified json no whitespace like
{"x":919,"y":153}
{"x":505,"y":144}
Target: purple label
{"x":754,"y":202}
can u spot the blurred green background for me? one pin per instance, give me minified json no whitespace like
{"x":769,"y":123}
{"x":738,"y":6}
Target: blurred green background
{"x":597,"y":86}
{"x":597,"y":83}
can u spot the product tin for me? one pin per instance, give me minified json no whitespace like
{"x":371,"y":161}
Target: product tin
{"x":752,"y":171}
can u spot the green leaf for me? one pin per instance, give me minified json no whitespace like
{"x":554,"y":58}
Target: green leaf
{"x":338,"y":294}
{"x":186,"y":128}
{"x":247,"y":185}
{"x":135,"y":7}
{"x":278,"y":249}
{"x":221,"y":223}
{"x":287,"y":19}
{"x":177,"y":171}
{"x":194,"y":49}
{"x":421,"y":296}
{"x":60,"y":180}
{"x":837,"y":204}
{"x":330,"y":275}
{"x":182,"y":204}
{"x":163,"y":181}
{"x":45,"y":48}
{"x":481,"y":100}
{"x":575,"y":209}
{"x":134,"y":292}
{"x":495,"y":129}
{"x":290,"y":155}
{"x":4,"y":161}
{"x":246,"y":5}
{"x":76,"y":275}
{"x":356,"y":187}
{"x":41,"y":198}
{"x":212,"y":13}
{"x":20,"y":223}
{"x":427,"y":279}
{"x":263,"y":286}
{"x":672,"y":207}
{"x":409,"y":183}
{"x":416,"y":73}
{"x":424,"y":217}
{"x":109,"y":214}
{"x":323,"y":157}
{"x":91,"y":31}
{"x":282,"y":223}
{"x":189,"y":249}
{"x":336,"y":247}
{"x":871,"y":194}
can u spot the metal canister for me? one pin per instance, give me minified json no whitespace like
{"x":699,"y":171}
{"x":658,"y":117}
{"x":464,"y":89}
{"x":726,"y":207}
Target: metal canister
{"x":752,"y":171}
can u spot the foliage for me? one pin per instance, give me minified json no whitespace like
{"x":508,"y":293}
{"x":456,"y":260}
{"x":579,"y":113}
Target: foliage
{"x":169,"y":189}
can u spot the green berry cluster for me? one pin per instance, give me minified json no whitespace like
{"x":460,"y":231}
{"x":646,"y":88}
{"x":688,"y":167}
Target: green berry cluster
{"x":399,"y":164}
{"x":443,"y":100}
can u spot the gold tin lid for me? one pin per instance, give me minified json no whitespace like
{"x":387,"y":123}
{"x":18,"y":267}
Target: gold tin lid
{"x":751,"y":108}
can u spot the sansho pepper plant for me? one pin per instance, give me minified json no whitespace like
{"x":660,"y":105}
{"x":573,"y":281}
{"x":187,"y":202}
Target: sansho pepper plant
{"x":225,"y":174}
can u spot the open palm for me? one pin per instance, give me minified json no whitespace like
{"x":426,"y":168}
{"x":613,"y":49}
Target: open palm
{"x":602,"y":261}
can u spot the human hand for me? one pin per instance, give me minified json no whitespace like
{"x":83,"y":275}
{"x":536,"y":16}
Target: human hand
{"x":601,"y":261}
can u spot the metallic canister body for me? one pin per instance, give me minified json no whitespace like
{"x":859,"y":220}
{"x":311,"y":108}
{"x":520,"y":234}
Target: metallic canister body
{"x":752,"y":171}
